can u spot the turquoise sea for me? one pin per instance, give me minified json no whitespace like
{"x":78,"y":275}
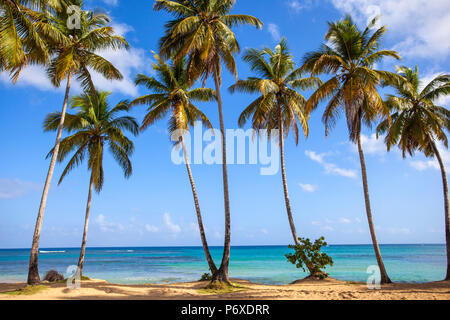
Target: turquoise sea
{"x":260,"y":264}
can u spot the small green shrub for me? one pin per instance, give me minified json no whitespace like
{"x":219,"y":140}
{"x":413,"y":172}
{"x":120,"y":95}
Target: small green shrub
{"x":27,"y":291}
{"x":206,"y":277}
{"x":220,"y":287}
{"x":309,"y":257}
{"x":83,"y":278}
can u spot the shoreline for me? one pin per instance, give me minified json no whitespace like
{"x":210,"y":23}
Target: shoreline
{"x":233,"y":246}
{"x":329,"y":289}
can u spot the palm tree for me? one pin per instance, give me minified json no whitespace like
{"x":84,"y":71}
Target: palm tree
{"x":279,"y":105}
{"x":201,"y":31}
{"x":350,"y":56}
{"x":173,"y":94}
{"x":73,"y":54}
{"x":417,"y":123}
{"x":20,"y":42}
{"x":94,"y":127}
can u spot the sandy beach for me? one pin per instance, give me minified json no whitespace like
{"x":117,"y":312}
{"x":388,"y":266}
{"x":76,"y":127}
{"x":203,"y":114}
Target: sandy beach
{"x":329,"y":289}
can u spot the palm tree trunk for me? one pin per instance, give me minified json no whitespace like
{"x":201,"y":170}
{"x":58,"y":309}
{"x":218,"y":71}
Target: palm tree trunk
{"x":86,"y":223}
{"x":283,"y":175}
{"x":384,"y":276}
{"x":222,"y":273}
{"x":210,"y":260}
{"x":446,"y":205}
{"x":285,"y":189}
{"x":33,"y":271}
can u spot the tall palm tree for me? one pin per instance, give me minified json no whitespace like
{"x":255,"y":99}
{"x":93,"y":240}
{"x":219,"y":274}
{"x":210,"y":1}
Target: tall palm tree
{"x":350,"y":55}
{"x":20,"y":42}
{"x":73,"y":54}
{"x":279,"y":105}
{"x":201,"y":31}
{"x":93,"y":128}
{"x":173,"y":94}
{"x":417,"y":123}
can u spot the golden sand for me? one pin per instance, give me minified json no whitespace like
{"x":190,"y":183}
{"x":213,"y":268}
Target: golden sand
{"x":329,"y":289}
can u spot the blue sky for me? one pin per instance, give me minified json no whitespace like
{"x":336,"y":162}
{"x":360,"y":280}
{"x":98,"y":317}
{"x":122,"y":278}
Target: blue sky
{"x":155,"y":207}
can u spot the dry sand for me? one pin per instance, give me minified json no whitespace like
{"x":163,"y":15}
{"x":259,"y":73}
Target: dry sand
{"x":329,"y":289}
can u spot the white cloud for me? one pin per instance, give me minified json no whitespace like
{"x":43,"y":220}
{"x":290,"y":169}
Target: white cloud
{"x":194,"y":227}
{"x":169,"y":224}
{"x":151,"y":228}
{"x":421,"y":26}
{"x":264,"y":231}
{"x":15,"y":188}
{"x":122,"y":29}
{"x":333,"y":169}
{"x":316,"y":157}
{"x":421,"y":165}
{"x":308,"y":187}
{"x":111,"y":2}
{"x":372,"y":145}
{"x":330,"y":168}
{"x":345,"y":220}
{"x":395,"y":230}
{"x":128,"y":62}
{"x":297,"y":6}
{"x":34,"y":76}
{"x":323,"y":226}
{"x":274,"y":31}
{"x":432,"y":163}
{"x":107,"y":226}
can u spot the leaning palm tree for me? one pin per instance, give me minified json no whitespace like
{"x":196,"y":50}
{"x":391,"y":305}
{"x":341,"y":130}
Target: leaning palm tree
{"x":350,"y":55}
{"x":417,"y":123}
{"x":93,"y":128}
{"x":279,"y":105}
{"x":201,"y":31}
{"x":73,"y":54}
{"x":172,"y":94}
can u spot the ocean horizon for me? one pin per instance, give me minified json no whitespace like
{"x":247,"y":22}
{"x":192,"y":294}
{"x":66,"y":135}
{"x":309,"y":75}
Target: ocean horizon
{"x":259,"y":264}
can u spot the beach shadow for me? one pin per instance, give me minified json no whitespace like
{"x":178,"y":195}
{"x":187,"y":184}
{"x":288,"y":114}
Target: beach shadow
{"x":428,"y":287}
{"x":5,"y":287}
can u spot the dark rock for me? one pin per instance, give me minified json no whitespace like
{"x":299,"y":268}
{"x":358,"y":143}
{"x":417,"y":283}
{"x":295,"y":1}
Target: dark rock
{"x":53,"y":276}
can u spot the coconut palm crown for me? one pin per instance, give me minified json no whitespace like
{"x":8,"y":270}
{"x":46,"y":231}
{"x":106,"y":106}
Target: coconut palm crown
{"x":201,"y":31}
{"x":94,"y":127}
{"x":417,"y":121}
{"x":74,"y":48}
{"x":277,"y":85}
{"x":350,"y":56}
{"x":172,"y":93}
{"x":20,"y":42}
